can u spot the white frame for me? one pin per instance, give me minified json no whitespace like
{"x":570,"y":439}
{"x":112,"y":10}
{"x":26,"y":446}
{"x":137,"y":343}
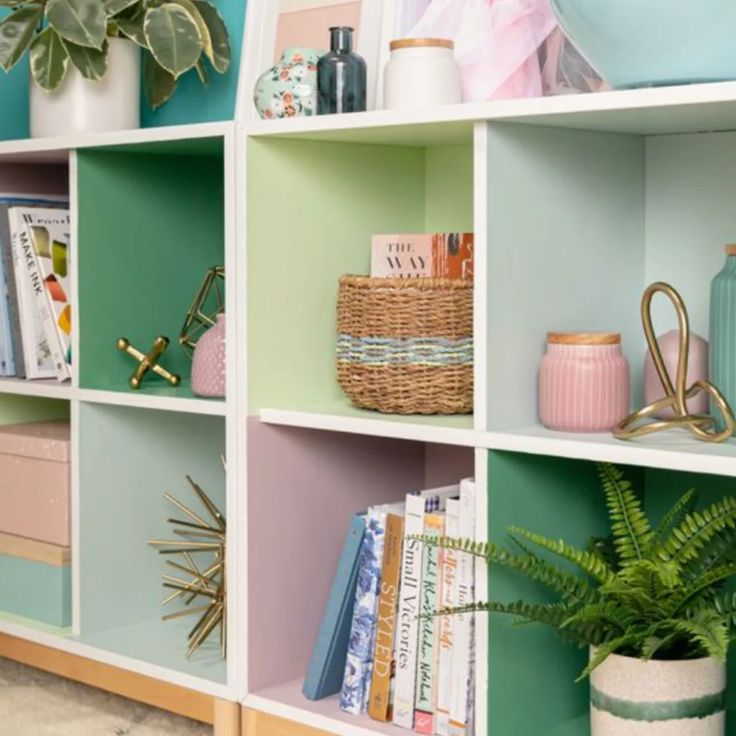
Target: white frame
{"x":376,"y":22}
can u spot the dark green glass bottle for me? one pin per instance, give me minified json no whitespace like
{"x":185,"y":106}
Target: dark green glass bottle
{"x":341,"y":76}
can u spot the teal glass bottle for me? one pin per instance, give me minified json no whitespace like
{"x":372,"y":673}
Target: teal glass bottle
{"x":723,"y":332}
{"x":341,"y":76}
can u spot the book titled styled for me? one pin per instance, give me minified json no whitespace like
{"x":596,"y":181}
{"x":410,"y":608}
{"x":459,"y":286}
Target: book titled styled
{"x":48,"y":271}
{"x":327,"y":663}
{"x":430,"y":596}
{"x":423,"y":255}
{"x":380,"y":701}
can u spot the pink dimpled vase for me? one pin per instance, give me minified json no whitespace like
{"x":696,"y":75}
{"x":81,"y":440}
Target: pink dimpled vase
{"x":583,"y":382}
{"x":208,"y":363}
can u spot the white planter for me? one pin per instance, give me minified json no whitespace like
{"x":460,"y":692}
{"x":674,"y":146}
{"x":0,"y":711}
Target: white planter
{"x":81,"y":106}
{"x":635,"y":698}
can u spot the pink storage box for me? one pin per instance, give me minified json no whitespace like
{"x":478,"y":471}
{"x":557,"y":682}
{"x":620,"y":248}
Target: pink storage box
{"x":35,"y":481}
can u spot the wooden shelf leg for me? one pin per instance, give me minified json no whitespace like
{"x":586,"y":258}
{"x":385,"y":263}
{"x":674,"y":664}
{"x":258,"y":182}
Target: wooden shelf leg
{"x":227,"y":718}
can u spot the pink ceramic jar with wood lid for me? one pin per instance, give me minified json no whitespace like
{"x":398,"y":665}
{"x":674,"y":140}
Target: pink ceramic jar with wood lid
{"x":583,"y":382}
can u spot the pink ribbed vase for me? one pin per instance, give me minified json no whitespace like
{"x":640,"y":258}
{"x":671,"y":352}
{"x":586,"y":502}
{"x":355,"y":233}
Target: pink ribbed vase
{"x":208,"y":364}
{"x":583,"y":382}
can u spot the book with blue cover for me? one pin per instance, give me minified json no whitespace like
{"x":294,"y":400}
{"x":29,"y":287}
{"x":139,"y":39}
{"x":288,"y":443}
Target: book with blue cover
{"x":327,"y":663}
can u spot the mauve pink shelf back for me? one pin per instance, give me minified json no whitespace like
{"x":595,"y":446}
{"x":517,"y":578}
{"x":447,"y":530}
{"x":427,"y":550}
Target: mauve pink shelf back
{"x":35,"y":481}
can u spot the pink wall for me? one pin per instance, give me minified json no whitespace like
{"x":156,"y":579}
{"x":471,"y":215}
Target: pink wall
{"x":310,"y":27}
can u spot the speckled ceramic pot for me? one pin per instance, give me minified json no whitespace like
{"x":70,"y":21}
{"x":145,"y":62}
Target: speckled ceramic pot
{"x":208,"y":364}
{"x":289,"y":89}
{"x":657,"y":698}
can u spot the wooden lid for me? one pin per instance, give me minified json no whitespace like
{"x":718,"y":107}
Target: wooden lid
{"x":583,"y":338}
{"x":731,"y":250}
{"x":407,"y":43}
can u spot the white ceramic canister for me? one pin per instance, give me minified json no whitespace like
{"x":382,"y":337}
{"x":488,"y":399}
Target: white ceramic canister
{"x":421,"y":73}
{"x":83,"y":106}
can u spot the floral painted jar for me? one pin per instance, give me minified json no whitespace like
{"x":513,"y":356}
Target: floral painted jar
{"x":584,"y":382}
{"x":289,"y":88}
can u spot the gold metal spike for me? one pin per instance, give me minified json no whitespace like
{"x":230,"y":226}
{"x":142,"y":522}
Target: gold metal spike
{"x":204,"y":583}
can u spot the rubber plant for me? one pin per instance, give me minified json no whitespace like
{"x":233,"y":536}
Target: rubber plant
{"x":645,"y":592}
{"x":175,"y":35}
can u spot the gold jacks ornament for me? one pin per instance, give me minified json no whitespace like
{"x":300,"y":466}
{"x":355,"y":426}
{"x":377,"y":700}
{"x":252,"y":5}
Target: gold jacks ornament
{"x":199,"y":583}
{"x":148,"y":361}
{"x":209,"y":302}
{"x":701,"y":426}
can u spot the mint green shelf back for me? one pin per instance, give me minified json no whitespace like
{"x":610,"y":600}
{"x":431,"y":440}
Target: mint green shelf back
{"x":192,"y":103}
{"x":151,"y":222}
{"x":17,"y":409}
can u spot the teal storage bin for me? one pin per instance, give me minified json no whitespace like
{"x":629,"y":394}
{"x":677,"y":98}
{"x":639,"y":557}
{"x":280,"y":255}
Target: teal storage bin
{"x":723,"y":331}
{"x":640,"y":43}
{"x":36,"y":590}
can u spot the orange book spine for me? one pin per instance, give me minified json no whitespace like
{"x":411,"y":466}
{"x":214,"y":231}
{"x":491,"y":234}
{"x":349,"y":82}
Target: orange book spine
{"x":379,"y":704}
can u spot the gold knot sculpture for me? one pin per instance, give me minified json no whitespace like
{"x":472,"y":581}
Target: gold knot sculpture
{"x":148,"y":361}
{"x":701,"y":426}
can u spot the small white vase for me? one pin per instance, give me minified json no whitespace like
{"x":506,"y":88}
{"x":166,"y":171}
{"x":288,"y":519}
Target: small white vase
{"x":658,"y":698}
{"x":82,"y":106}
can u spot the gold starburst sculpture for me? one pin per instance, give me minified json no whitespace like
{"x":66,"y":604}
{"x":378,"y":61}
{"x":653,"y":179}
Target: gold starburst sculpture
{"x":209,"y":302}
{"x":203,"y":584}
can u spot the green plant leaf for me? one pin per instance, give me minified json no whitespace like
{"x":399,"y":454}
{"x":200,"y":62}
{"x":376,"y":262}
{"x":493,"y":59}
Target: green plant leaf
{"x":91,"y":63}
{"x":221,"y":53}
{"x":629,"y":524}
{"x":16,"y":34}
{"x":49,"y":59}
{"x":132,"y":28}
{"x":160,"y":85}
{"x":173,"y":38}
{"x":79,"y":21}
{"x":113,"y":7}
{"x":708,"y":629}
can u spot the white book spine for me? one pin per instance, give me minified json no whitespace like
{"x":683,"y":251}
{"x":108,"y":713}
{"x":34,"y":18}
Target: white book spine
{"x":407,"y":628}
{"x":41,"y":295}
{"x":448,"y":599}
{"x":463,"y":623}
{"x":36,"y":351}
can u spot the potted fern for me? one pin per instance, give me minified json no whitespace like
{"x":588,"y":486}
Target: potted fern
{"x":650,"y":605}
{"x":85,"y":56}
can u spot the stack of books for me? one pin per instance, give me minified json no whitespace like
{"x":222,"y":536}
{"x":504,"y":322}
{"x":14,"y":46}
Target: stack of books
{"x":35,"y":284}
{"x":375,"y":645}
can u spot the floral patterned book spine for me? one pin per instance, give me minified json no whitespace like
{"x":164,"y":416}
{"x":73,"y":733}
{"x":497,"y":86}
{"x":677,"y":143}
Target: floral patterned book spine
{"x":384,"y":667}
{"x":426,"y":682}
{"x":359,"y":663}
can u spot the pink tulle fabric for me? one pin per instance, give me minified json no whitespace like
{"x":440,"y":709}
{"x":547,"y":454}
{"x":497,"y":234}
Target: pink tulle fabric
{"x":497,"y":44}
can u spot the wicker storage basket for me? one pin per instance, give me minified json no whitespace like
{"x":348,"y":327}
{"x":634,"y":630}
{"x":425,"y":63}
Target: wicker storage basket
{"x":405,"y":346}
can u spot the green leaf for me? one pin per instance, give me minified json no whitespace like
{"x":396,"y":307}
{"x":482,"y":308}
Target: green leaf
{"x":79,"y":21}
{"x":708,"y":629}
{"x":603,"y":651}
{"x":173,"y":38}
{"x":91,"y":63}
{"x":16,"y":34}
{"x":132,"y":28}
{"x":221,"y":53}
{"x":629,"y":523}
{"x":113,"y":7}
{"x":160,"y":85}
{"x":674,"y":515}
{"x":588,"y":562}
{"x":49,"y":59}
